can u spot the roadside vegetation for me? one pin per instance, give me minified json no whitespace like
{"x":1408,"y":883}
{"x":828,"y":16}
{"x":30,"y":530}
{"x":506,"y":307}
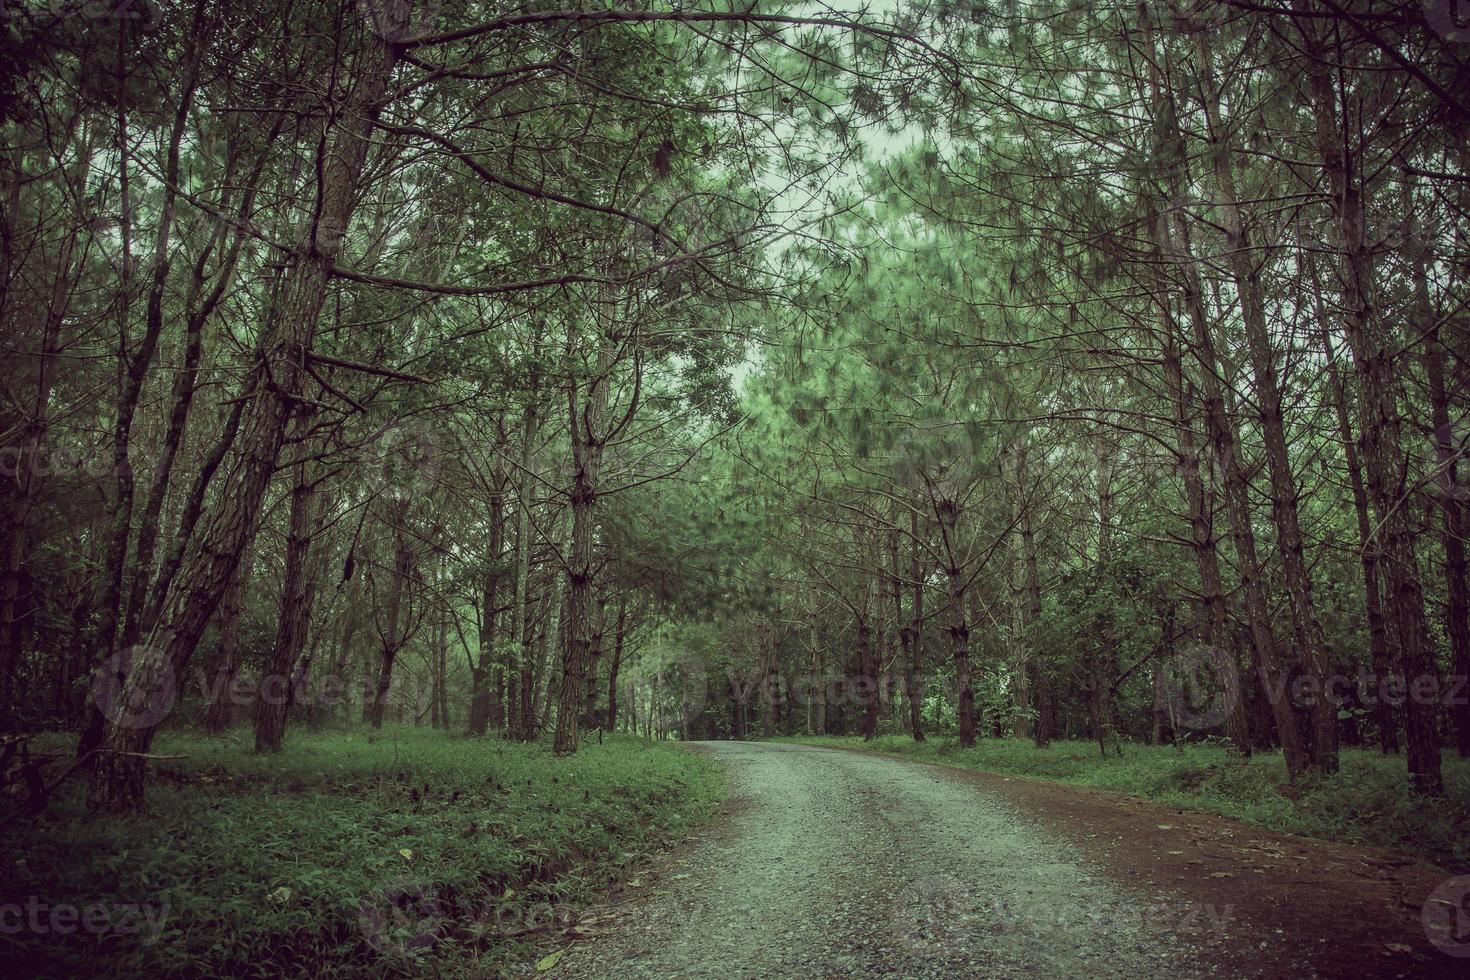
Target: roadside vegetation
{"x":408,"y":852}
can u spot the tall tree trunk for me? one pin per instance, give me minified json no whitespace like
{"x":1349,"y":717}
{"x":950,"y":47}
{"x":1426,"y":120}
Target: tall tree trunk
{"x":1269,"y":404}
{"x":1224,"y":444}
{"x":911,"y":630}
{"x":523,"y":632}
{"x":1174,"y":237}
{"x":619,"y":632}
{"x":395,"y":632}
{"x":586,"y":419}
{"x":867,"y":679}
{"x":486,"y":667}
{"x":1449,"y":498}
{"x":1023,"y":720}
{"x":550,"y":643}
{"x":298,"y":596}
{"x":817,"y":708}
{"x":947,"y":513}
{"x":1203,"y":544}
{"x":1384,"y":716}
{"x":133,"y":365}
{"x":594,"y":656}
{"x":221,"y":713}
{"x":1045,"y":726}
{"x":271,"y":390}
{"x":27,"y":460}
{"x":199,"y":306}
{"x":1384,"y":459}
{"x":1101,"y":653}
{"x":441,"y":668}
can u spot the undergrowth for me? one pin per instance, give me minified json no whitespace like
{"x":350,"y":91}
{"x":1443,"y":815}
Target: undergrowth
{"x":409,"y":853}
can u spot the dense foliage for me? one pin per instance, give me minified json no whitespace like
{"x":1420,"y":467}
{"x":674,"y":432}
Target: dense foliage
{"x":1091,"y":371}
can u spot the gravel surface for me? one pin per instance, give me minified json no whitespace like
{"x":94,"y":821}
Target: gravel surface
{"x":835,"y":864}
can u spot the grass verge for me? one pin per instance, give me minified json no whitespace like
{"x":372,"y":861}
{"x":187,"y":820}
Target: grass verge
{"x":407,"y":853}
{"x":1366,"y":802}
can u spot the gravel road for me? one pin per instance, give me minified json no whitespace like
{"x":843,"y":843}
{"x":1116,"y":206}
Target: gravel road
{"x":837,"y":864}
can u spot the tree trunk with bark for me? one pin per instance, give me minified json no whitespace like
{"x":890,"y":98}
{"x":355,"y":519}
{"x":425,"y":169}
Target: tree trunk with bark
{"x":1269,"y":404}
{"x":946,"y":512}
{"x":271,"y":391}
{"x":396,"y":629}
{"x":482,"y":676}
{"x":1384,"y":459}
{"x":1381,"y":658}
{"x":298,"y":595}
{"x":586,"y":415}
{"x":619,"y":633}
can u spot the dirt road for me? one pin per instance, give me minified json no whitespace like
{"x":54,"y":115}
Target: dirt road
{"x":842,"y":864}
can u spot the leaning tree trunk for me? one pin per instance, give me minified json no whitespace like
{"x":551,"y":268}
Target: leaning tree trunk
{"x":1224,"y":443}
{"x":298,"y":596}
{"x":133,"y":366}
{"x":1369,"y":561}
{"x":1174,"y":238}
{"x":221,"y":713}
{"x":1269,"y":402}
{"x":271,"y":391}
{"x":1202,"y":540}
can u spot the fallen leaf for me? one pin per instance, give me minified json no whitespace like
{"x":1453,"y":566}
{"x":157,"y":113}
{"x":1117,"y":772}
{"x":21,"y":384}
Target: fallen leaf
{"x":1398,"y":947}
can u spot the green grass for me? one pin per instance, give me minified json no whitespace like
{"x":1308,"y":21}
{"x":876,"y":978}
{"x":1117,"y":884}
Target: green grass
{"x":409,"y":853}
{"x":1367,"y":802}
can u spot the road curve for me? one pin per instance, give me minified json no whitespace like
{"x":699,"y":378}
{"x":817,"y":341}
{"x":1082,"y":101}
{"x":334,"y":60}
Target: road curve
{"x":839,"y":864}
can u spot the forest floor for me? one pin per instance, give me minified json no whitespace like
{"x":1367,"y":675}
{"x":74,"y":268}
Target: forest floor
{"x":407,"y":852}
{"x":830,"y":863}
